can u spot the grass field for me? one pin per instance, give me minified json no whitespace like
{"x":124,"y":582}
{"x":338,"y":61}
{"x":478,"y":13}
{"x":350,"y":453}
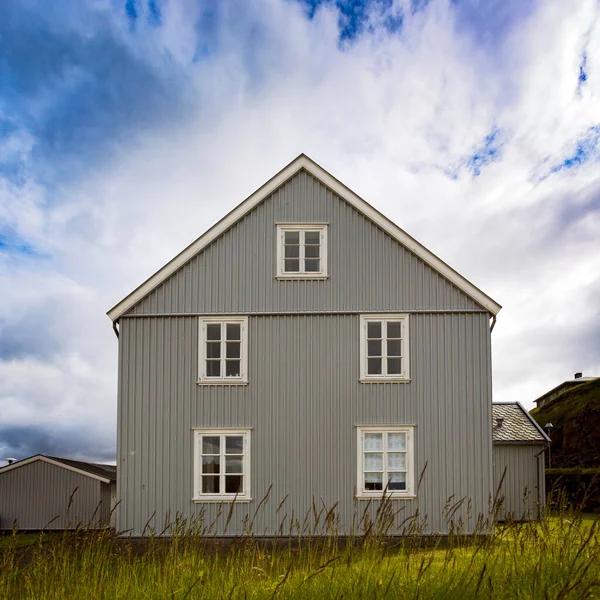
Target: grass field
{"x":558,"y":558}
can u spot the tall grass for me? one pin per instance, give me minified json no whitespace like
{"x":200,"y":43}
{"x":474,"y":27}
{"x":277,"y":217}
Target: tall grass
{"x":556,"y":558}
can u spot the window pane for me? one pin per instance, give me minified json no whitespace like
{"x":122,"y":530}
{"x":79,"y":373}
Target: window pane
{"x":291,"y":251}
{"x":394,"y":347}
{"x":311,"y":251}
{"x":394,"y":329}
{"x":312,"y":237}
{"x":234,"y":444}
{"x":373,"y":442}
{"x":211,"y":444}
{"x":312,"y":265}
{"x":292,"y":237}
{"x":233,"y":484}
{"x":213,"y":368}
{"x":374,"y":329}
{"x":232,"y":349}
{"x":292,"y":266}
{"x":210,"y":484}
{"x":210,"y":464}
{"x":373,"y":462}
{"x":233,"y":464}
{"x":374,"y":366}
{"x":394,"y":366}
{"x":213,"y":349}
{"x":213,"y":331}
{"x":374,"y":348}
{"x":232,"y":368}
{"x":397,"y":481}
{"x":234,"y":331}
{"x":397,"y":442}
{"x":374,"y":481}
{"x":396,"y":461}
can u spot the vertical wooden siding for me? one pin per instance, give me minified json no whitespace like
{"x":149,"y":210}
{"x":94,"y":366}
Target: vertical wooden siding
{"x":368,"y":269}
{"x":303,"y":403}
{"x":524,"y":487}
{"x":34,"y":494}
{"x":105,"y":505}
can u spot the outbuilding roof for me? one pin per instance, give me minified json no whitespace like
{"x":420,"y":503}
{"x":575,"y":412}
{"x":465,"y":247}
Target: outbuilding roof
{"x":513,"y":424}
{"x":108,"y":471}
{"x":104,"y":473}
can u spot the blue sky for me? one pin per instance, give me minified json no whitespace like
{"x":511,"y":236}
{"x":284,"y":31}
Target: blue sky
{"x":474,"y":125}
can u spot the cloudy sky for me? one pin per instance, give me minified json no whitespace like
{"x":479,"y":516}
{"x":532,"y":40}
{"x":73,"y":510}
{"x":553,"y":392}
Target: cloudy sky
{"x":127,"y":128}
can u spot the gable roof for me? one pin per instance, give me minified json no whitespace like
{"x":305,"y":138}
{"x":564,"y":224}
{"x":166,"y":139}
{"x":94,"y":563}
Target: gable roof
{"x":517,"y":425}
{"x":104,"y":473}
{"x":298,"y":164}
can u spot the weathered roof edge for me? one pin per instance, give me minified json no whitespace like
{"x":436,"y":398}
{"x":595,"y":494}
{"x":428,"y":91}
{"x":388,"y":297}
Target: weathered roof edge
{"x":53,"y":461}
{"x":531,"y":419}
{"x":299,"y":163}
{"x":579,"y":381}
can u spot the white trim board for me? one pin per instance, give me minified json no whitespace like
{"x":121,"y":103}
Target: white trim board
{"x":56,"y":463}
{"x":303,"y":162}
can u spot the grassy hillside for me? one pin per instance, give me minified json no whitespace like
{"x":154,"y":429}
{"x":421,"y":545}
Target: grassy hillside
{"x":573,"y":403}
{"x":575,"y":415}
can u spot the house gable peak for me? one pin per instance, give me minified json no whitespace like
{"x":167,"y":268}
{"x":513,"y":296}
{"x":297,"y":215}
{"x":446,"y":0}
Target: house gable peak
{"x":302,"y":162}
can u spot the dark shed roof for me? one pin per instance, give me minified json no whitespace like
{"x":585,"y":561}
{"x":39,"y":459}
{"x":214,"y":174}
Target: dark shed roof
{"x":513,"y":424}
{"x":106,"y":473}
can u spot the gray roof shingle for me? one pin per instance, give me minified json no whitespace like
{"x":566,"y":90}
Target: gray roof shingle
{"x":515,"y":425}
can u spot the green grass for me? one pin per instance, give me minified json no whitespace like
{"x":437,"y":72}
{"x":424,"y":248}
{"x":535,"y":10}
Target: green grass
{"x":557,"y":558}
{"x":24,"y":539}
{"x":574,"y":471}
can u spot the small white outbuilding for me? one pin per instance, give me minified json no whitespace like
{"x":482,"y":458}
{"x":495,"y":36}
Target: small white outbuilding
{"x":46,"y":492}
{"x":519,"y":459}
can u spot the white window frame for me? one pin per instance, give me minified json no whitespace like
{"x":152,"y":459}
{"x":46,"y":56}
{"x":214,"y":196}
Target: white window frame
{"x":245,"y":495}
{"x":302,"y":227}
{"x":410,"y":461}
{"x":403,"y":377}
{"x":203,"y":378}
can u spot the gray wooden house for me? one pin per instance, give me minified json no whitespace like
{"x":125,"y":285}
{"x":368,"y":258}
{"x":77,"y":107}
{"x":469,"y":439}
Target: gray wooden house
{"x":307,"y":348}
{"x":46,"y":492}
{"x":519,"y":463}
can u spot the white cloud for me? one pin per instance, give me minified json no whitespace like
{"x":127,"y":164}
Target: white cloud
{"x":392,"y":117}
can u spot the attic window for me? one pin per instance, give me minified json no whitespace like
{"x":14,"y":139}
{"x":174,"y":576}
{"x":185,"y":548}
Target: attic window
{"x":302,"y":251}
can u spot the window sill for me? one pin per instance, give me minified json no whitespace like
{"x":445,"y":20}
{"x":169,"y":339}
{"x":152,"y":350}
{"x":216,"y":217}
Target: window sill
{"x":221,"y":382}
{"x":221,"y":499}
{"x":302,"y":277}
{"x":388,"y":496}
{"x":384,"y":380}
